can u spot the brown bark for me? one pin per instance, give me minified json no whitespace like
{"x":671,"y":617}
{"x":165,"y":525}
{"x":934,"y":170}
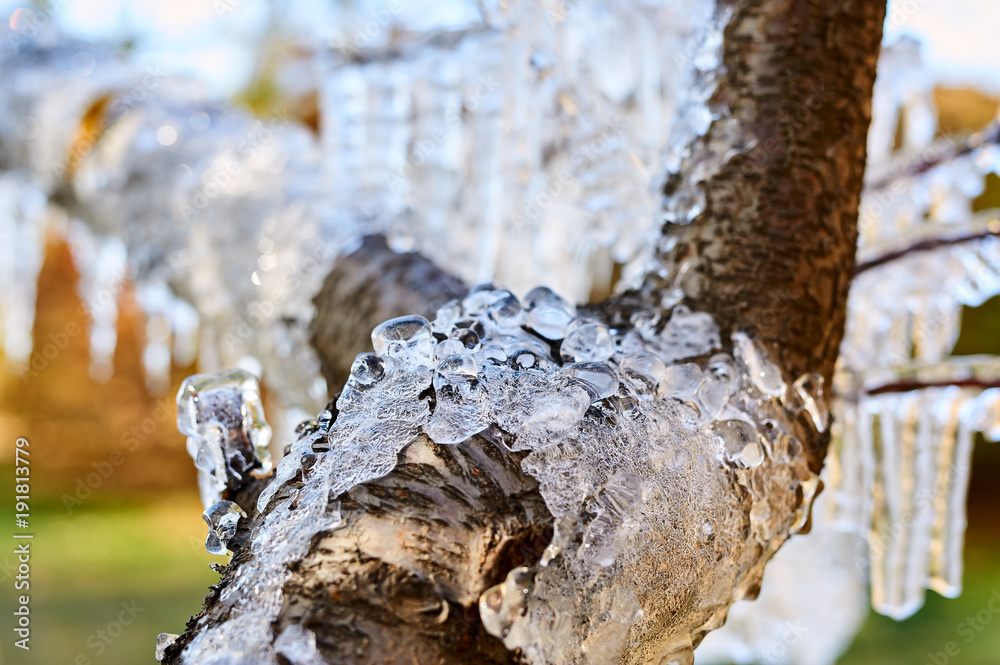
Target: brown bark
{"x":773,"y":253}
{"x":364,"y":289}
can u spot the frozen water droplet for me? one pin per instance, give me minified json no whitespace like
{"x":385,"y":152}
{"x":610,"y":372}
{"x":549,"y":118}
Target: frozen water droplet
{"x":462,"y":408}
{"x":501,"y":605}
{"x":507,"y":312}
{"x":688,"y":334}
{"x":463,"y":340}
{"x":810,"y":487}
{"x":642,"y":370}
{"x":481,"y":299}
{"x":548,"y":314}
{"x":324,"y":420}
{"x":446,"y":317}
{"x":682,"y":382}
{"x":809,"y":388}
{"x":764,"y":374}
{"x":163,"y":641}
{"x":460,"y":368}
{"x":711,"y":397}
{"x":492,"y":355}
{"x":597,"y":378}
{"x":467,"y":338}
{"x":367,"y":369}
{"x":587,"y":341}
{"x":524,"y":359}
{"x":222,"y":519}
{"x":739,"y":442}
{"x":721,"y":366}
{"x":407,"y":339}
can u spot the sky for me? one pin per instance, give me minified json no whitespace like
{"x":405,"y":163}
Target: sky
{"x":214,"y":39}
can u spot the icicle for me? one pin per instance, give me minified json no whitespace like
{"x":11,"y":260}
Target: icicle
{"x":949,"y":492}
{"x":103,"y":272}
{"x":23,"y":225}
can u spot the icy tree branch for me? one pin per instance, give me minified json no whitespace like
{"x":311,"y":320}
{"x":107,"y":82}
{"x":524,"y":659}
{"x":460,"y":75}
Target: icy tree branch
{"x":940,"y":152}
{"x":929,"y":237}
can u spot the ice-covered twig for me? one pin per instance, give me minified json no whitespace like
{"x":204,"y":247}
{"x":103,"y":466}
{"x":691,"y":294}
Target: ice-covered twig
{"x":940,"y":152}
{"x":929,"y":237}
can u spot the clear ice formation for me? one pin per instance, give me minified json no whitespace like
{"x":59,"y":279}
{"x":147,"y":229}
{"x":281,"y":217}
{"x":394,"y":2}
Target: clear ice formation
{"x":898,"y":466}
{"x":163,"y":641}
{"x":223,"y":418}
{"x":648,"y":443}
{"x":222,"y":519}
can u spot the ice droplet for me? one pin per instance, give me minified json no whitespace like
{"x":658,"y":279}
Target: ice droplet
{"x":324,"y":420}
{"x":643,"y":371}
{"x":407,"y":339}
{"x":163,"y":642}
{"x":809,"y":388}
{"x":367,"y":369}
{"x":587,"y":341}
{"x":764,"y":374}
{"x":739,"y":442}
{"x":501,"y":605}
{"x":548,"y":313}
{"x":222,"y":519}
{"x":597,"y":378}
{"x":506,"y":312}
{"x":681,"y":382}
{"x":456,"y":370}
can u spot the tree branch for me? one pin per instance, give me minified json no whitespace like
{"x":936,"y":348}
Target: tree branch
{"x":986,"y":224}
{"x":940,"y":152}
{"x":372,"y":285}
{"x":773,"y":251}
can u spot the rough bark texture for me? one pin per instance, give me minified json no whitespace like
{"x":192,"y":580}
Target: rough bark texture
{"x":773,"y":253}
{"x":372,"y":285}
{"x":403,"y":580}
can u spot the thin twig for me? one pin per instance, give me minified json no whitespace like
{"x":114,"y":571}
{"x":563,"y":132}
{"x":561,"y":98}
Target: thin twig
{"x":909,"y":386}
{"x":939,"y":153}
{"x":990,"y":228}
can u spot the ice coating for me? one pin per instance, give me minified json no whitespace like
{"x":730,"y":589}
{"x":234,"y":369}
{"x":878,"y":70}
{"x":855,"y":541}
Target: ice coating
{"x":538,"y":124}
{"x":658,"y":452}
{"x":222,"y":519}
{"x":164,"y":640}
{"x":223,"y":418}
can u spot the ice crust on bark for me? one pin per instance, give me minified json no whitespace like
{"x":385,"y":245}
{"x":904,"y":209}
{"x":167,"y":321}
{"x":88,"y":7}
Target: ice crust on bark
{"x":658,"y":454}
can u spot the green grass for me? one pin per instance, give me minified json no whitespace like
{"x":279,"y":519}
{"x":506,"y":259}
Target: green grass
{"x":940,"y":621}
{"x":85,"y":565}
